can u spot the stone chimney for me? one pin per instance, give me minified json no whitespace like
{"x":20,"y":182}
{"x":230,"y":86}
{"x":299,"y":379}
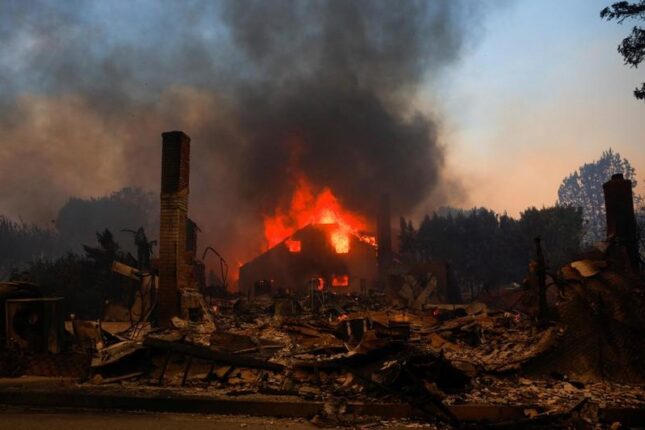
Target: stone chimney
{"x":174,"y":272}
{"x":384,"y":239}
{"x":621,"y":222}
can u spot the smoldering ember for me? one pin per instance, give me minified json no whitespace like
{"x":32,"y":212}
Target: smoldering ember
{"x":287,"y":276}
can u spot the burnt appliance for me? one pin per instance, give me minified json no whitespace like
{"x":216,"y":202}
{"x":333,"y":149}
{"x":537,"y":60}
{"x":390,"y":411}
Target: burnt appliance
{"x":35,"y":324}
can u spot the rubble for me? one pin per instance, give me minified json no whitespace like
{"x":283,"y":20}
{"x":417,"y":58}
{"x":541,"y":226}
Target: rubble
{"x":496,"y":342}
{"x":114,"y":353}
{"x":553,"y":393}
{"x":430,"y":358}
{"x":363,"y":349}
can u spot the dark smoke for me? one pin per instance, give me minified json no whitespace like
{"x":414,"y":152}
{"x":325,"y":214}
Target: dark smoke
{"x":337,"y":79}
{"x":264,"y":88}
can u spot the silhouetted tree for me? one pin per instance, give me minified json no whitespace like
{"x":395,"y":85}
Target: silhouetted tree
{"x":79,"y":219}
{"x":488,"y":249}
{"x":407,"y":239}
{"x":85,"y":281}
{"x":77,"y":222}
{"x":583,"y":189}
{"x":560,"y":229}
{"x":640,"y":224}
{"x":21,"y":242}
{"x":632,"y":48}
{"x":144,"y":247}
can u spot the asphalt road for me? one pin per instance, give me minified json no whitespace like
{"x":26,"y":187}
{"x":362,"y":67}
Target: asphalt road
{"x":33,"y":419}
{"x":36,"y":420}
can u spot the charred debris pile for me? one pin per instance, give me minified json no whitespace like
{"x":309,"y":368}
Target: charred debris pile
{"x":565,"y":342}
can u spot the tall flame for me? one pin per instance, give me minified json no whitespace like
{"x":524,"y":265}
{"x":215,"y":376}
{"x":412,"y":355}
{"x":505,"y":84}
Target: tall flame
{"x":307,"y":207}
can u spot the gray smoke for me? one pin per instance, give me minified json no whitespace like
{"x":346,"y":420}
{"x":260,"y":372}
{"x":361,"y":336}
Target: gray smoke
{"x":266,"y":89}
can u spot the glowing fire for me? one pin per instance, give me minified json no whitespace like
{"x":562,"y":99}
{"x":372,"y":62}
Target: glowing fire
{"x":319,"y":283}
{"x":340,"y":281}
{"x":307,"y":207}
{"x":340,"y":240}
{"x":293,"y":245}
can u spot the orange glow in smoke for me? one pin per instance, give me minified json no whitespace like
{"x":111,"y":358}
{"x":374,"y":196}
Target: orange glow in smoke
{"x":340,"y":281}
{"x":307,"y":207}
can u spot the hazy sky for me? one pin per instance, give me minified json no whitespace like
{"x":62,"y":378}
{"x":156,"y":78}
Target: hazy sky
{"x":539,"y":90}
{"x":542,"y":92}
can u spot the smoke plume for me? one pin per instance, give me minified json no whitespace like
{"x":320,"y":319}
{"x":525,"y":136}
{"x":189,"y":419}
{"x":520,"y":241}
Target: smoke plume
{"x":265,"y":89}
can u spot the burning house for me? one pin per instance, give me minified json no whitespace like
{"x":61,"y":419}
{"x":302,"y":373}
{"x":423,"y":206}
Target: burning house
{"x":319,"y":255}
{"x":331,"y":252}
{"x":313,"y":241}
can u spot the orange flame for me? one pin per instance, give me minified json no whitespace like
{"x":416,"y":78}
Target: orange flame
{"x":340,"y":240}
{"x":307,"y":207}
{"x":340,"y":281}
{"x":293,"y":245}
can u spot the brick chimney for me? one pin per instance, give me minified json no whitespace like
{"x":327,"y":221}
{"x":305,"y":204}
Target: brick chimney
{"x":384,"y":239}
{"x":174,"y":272}
{"x":621,"y":222}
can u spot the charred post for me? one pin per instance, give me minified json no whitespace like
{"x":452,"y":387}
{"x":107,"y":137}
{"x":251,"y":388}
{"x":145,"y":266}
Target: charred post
{"x":384,"y":239}
{"x":621,"y":222}
{"x":173,"y":270}
{"x":541,"y":278}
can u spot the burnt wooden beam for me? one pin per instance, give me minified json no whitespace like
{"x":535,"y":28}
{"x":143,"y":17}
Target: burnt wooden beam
{"x":207,"y":353}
